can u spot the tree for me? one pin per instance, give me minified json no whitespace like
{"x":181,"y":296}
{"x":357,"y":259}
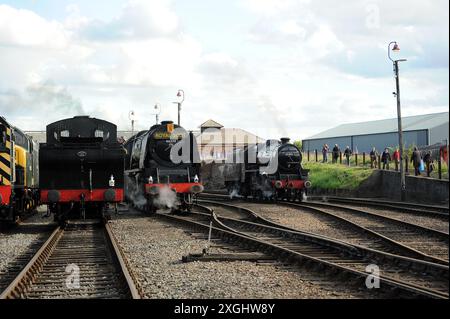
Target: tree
{"x":298,"y":144}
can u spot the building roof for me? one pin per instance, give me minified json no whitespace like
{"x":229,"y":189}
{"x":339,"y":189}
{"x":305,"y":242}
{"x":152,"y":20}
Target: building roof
{"x":227,"y":136}
{"x":211,"y":124}
{"x":409,"y":123}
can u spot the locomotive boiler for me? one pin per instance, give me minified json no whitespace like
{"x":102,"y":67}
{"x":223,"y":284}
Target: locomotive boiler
{"x":162,"y":168}
{"x":271,"y":170}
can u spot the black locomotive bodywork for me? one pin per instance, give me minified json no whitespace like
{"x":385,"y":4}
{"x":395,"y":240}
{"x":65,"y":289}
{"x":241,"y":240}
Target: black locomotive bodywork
{"x":272,"y":170}
{"x":81,"y":168}
{"x":162,"y":168}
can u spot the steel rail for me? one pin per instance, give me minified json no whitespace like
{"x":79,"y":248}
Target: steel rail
{"x":423,"y":209}
{"x":21,"y":286}
{"x":364,"y":251}
{"x":238,"y":238}
{"x":398,"y":247}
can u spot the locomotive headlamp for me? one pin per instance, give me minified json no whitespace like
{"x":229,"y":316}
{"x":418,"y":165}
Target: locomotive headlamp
{"x":150,"y":180}
{"x":278,"y":184}
{"x":308,"y":184}
{"x":195,"y":189}
{"x":112,"y":182}
{"x":196,"y":179}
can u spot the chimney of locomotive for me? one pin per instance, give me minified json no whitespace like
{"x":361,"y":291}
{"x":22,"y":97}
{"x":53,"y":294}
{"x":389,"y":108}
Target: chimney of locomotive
{"x":285,"y":140}
{"x":166,"y":122}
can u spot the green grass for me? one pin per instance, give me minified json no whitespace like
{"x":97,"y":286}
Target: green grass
{"x":336,"y":176}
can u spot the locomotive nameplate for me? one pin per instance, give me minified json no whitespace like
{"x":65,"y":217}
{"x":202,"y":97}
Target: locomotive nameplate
{"x":167,"y":136}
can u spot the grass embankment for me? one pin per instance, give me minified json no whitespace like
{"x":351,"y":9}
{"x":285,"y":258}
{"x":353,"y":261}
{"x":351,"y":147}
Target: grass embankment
{"x":336,"y":176}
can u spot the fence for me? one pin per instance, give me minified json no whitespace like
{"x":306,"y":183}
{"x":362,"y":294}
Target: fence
{"x":438,"y":169}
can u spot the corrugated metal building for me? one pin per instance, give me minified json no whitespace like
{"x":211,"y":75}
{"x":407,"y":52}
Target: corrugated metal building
{"x":418,"y":130}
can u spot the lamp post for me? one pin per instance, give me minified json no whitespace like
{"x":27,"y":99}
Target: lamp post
{"x":396,"y":48}
{"x":157,"y":109}
{"x":132,"y":117}
{"x":180,"y":94}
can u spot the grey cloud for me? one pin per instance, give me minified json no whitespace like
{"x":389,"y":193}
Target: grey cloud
{"x":138,"y":20}
{"x":38,"y":105}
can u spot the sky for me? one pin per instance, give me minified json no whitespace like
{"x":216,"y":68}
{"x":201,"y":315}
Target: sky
{"x":272,"y":67}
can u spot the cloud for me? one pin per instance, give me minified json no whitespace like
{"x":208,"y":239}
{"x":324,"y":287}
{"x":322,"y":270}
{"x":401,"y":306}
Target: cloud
{"x":46,"y":102}
{"x":25,"y":28}
{"x":297,"y":67}
{"x":139,"y":19}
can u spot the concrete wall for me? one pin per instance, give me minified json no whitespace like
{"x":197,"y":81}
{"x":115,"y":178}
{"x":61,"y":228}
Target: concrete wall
{"x":386,"y":184}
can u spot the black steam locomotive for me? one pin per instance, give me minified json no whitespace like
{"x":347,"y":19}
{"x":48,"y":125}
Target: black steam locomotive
{"x":19,"y":174}
{"x":81,"y":168}
{"x":272,"y":170}
{"x":162,"y":168}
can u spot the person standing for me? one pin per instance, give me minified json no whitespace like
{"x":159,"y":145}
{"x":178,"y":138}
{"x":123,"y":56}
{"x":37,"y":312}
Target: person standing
{"x":386,"y":158}
{"x":373,"y":157}
{"x":325,"y":150}
{"x":396,"y":157}
{"x":415,"y":159}
{"x":348,"y":154}
{"x":335,"y":153}
{"x":428,"y":163}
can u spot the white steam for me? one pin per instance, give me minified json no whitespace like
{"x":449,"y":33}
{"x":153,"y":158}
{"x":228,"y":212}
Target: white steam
{"x":166,"y":198}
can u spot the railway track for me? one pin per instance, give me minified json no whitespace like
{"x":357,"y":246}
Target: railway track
{"x":401,"y":276}
{"x":333,"y":227}
{"x":436,"y":210}
{"x":82,"y":260}
{"x":433,"y":244}
{"x":423,"y":242}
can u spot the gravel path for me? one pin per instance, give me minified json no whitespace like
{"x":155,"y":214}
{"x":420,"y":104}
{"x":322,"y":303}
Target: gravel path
{"x":426,"y":221}
{"x":155,"y":249}
{"x":307,"y":221}
{"x":18,"y":242}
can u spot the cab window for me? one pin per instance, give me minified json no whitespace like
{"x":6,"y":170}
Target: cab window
{"x":3,"y":135}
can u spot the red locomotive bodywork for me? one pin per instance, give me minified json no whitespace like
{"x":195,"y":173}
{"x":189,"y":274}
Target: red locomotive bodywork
{"x":5,"y":192}
{"x":74,"y":195}
{"x":182,"y":188}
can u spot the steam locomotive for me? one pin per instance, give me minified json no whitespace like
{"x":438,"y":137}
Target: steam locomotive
{"x":162,"y":168}
{"x":81,"y":168}
{"x":271,"y":170}
{"x":19,"y":174}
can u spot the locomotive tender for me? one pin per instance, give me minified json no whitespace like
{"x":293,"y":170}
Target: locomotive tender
{"x":162,"y":168}
{"x":19,"y":174}
{"x":81,"y":168}
{"x":272,"y":170}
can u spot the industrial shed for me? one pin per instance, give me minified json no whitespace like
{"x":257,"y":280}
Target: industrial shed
{"x":420,"y":130}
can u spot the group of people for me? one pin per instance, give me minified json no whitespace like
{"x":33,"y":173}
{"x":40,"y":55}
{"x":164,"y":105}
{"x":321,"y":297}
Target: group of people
{"x":386,"y":158}
{"x":335,"y":153}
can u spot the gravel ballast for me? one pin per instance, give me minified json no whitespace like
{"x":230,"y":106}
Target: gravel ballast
{"x":154,"y":249}
{"x":15,"y":241}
